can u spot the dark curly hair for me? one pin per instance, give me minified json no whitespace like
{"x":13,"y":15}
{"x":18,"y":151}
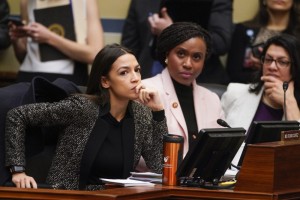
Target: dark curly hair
{"x":292,"y":45}
{"x":178,"y":33}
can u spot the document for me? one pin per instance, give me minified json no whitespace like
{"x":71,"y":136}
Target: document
{"x":146,"y":176}
{"x":61,"y":22}
{"x":230,"y":174}
{"x":127,"y":182}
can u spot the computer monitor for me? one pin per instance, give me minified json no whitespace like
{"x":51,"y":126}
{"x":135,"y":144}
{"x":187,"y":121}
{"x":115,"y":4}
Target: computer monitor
{"x":197,"y":11}
{"x":267,"y":131}
{"x":211,"y":155}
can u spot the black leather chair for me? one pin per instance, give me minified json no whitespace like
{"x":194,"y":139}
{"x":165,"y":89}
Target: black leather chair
{"x":216,"y":88}
{"x":82,"y":89}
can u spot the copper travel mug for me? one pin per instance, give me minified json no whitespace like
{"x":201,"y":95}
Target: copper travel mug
{"x":173,"y":152}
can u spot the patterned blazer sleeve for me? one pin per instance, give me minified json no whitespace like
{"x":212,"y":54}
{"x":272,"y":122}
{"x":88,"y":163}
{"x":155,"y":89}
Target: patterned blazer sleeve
{"x":59,"y":113}
{"x":152,"y":144}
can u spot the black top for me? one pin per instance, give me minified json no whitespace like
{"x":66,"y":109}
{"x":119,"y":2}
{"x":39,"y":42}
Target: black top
{"x":110,"y":165}
{"x":186,"y":100}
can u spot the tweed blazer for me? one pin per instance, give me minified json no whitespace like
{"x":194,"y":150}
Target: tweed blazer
{"x":206,"y":103}
{"x":38,"y":90}
{"x":81,"y":137}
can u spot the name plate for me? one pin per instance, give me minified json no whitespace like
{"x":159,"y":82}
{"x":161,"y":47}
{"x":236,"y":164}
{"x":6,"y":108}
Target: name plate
{"x":290,"y":135}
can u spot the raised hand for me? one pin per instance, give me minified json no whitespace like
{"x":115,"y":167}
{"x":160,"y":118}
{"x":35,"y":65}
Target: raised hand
{"x":149,"y":97}
{"x":255,"y":62}
{"x":159,"y":23}
{"x":16,"y":32}
{"x":39,"y":33}
{"x":273,"y":90}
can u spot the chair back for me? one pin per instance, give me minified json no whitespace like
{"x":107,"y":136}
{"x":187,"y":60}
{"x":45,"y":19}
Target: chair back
{"x":216,"y":88}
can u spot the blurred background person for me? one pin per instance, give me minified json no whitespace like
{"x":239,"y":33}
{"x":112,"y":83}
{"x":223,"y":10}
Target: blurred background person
{"x":273,"y":18}
{"x":4,"y":14}
{"x":4,"y":43}
{"x":139,"y":35}
{"x":26,"y":41}
{"x":136,"y":33}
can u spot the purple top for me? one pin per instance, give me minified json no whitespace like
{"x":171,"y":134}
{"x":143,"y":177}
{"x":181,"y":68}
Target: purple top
{"x":266,"y":113}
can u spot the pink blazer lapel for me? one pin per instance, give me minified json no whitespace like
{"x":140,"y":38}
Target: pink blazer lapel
{"x":173,"y":100}
{"x":200,"y":109}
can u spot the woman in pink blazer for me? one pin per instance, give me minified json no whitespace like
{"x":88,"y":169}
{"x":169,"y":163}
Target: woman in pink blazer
{"x":183,"y":48}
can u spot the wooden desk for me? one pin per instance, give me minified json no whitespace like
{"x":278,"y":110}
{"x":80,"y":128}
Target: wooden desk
{"x":269,"y":172}
{"x":157,"y":192}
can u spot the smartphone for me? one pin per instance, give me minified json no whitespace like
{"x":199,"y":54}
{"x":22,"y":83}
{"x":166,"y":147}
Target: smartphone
{"x":255,"y":50}
{"x":16,"y":20}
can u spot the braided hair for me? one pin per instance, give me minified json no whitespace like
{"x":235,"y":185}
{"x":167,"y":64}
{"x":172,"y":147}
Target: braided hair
{"x":178,"y":33}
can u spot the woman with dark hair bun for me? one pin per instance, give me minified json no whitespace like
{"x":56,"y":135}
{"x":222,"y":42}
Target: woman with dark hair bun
{"x":104,"y":132}
{"x":182,"y":48}
{"x":263,"y":100}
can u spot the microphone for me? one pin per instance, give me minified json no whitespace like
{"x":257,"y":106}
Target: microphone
{"x":285,"y":86}
{"x":221,"y":122}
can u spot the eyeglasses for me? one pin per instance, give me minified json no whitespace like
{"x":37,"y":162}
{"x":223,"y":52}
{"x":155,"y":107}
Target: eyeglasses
{"x":282,"y":63}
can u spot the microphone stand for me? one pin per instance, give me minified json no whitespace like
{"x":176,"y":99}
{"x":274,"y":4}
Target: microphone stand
{"x":285,"y":86}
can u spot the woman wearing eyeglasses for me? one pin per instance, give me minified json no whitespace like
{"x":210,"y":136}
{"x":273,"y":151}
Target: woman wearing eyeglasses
{"x":273,"y":17}
{"x":263,"y":100}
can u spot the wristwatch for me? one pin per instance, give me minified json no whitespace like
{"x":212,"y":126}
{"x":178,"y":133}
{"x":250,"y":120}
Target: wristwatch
{"x":17,"y":169}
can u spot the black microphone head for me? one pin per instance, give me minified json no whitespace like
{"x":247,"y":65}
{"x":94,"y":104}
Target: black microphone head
{"x":285,"y":85}
{"x":221,"y":122}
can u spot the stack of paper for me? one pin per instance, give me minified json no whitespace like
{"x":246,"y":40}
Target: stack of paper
{"x":127,"y":182}
{"x":230,"y":174}
{"x":146,"y":176}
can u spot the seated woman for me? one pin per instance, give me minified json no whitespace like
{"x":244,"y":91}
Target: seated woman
{"x":105,"y":131}
{"x":183,"y":48}
{"x":264,"y":99}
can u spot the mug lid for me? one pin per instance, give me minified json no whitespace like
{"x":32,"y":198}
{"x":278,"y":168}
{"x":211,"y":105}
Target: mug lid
{"x":173,"y":138}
